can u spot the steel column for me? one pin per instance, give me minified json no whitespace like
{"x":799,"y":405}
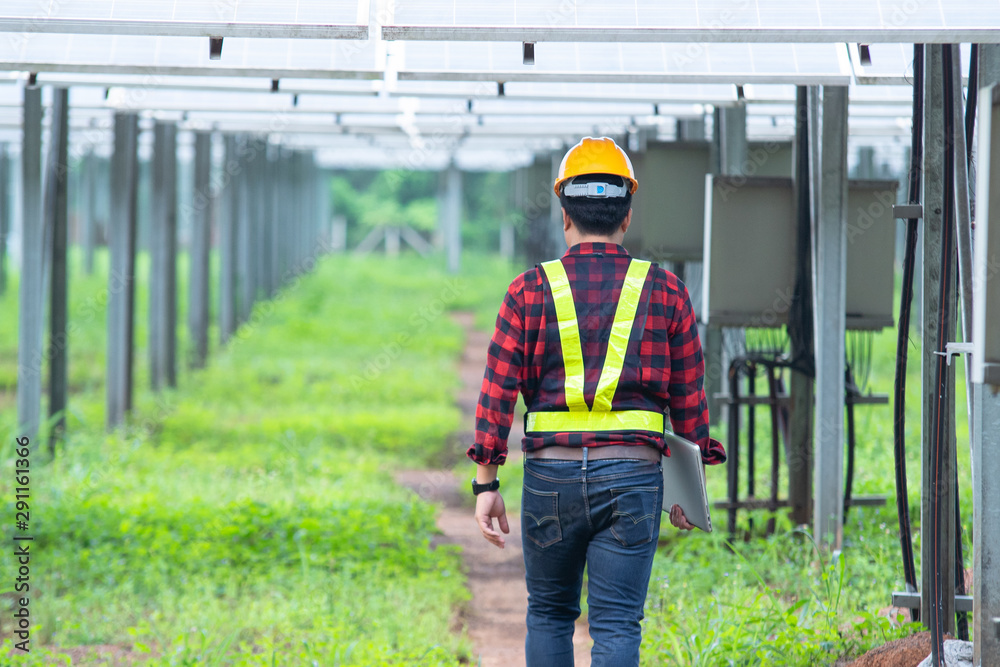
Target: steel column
{"x":227,"y":241}
{"x":453,"y":218}
{"x":4,"y":214}
{"x":163,"y":275}
{"x":88,"y":210}
{"x":933,"y":210}
{"x":830,"y":320}
{"x":244,"y":234}
{"x":56,"y":177}
{"x":556,"y":237}
{"x":731,"y":140}
{"x":985,"y":426}
{"x":260,"y":219}
{"x":325,"y":229}
{"x":277,"y":222}
{"x":121,"y":278}
{"x":201,"y":241}
{"x":799,"y":445}
{"x":29,"y":346}
{"x":269,"y":230}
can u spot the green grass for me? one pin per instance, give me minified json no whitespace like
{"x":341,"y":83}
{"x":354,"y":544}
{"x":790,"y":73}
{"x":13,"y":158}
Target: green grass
{"x":249,"y":517}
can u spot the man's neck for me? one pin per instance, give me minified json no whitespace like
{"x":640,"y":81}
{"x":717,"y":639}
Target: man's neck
{"x":574,"y":239}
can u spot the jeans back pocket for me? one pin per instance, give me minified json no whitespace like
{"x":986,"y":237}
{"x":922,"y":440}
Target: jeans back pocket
{"x":540,"y":523}
{"x":634,"y":513}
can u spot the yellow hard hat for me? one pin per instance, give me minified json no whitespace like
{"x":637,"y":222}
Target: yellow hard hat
{"x":596,"y":156}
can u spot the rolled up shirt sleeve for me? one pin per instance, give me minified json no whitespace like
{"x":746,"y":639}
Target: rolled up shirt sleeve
{"x":501,"y":381}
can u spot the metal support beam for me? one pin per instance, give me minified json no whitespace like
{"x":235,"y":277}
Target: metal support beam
{"x":5,"y":192}
{"x":799,"y":443}
{"x":259,"y":218}
{"x":88,"y":210}
{"x":121,"y":278}
{"x":556,"y":238}
{"x":985,"y":426}
{"x":163,"y":276}
{"x":731,"y":147}
{"x":270,"y":221}
{"x":29,"y":345}
{"x":830,"y":273}
{"x":986,"y":522}
{"x":934,"y":204}
{"x":733,"y":139}
{"x":276,"y":187}
{"x":56,"y":178}
{"x":244,"y":233}
{"x":453,"y":218}
{"x":201,"y":241}
{"x":227,"y":241}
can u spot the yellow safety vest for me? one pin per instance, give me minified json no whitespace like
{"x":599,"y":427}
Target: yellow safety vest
{"x":581,"y":418}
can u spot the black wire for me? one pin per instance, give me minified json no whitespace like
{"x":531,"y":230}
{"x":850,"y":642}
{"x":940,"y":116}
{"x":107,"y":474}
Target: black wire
{"x":902,"y":337}
{"x":970,"y":103}
{"x":851,"y":439}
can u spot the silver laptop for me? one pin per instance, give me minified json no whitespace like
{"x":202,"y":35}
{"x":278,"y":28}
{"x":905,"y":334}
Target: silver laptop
{"x":684,"y":481}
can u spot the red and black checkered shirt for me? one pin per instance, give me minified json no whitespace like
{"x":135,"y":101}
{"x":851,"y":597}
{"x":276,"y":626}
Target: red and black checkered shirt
{"x":663,"y":370}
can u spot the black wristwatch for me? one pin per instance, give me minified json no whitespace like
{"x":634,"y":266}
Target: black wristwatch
{"x":478,"y":488}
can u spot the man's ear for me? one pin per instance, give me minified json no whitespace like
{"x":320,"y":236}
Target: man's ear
{"x":567,"y":221}
{"x":627,"y":221}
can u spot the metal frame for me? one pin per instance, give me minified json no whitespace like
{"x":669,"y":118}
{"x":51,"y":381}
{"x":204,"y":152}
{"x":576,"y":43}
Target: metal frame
{"x":622,"y":77}
{"x":175,"y":70}
{"x":56,"y":213}
{"x":829,"y":278}
{"x":69,"y":26}
{"x":985,"y":426}
{"x":30,"y":316}
{"x":707,"y":34}
{"x":933,"y":206}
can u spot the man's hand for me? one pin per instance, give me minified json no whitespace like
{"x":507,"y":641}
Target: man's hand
{"x":678,"y":519}
{"x":489,"y":504}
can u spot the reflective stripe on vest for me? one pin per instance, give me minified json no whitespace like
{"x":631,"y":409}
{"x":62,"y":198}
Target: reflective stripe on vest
{"x":601,"y":418}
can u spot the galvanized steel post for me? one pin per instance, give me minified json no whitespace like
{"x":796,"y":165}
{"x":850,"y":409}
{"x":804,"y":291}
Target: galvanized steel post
{"x":830,"y":278}
{"x":56,"y":178}
{"x":29,"y":346}
{"x":202,"y":208}
{"x":121,"y":278}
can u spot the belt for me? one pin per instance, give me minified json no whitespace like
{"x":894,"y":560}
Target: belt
{"x":558,"y":452}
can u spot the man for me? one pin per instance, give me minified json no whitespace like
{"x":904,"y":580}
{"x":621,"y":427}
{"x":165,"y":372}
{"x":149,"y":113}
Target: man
{"x":600,"y":346}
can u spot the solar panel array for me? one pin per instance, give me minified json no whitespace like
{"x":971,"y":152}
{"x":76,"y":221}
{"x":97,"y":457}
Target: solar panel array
{"x":396,"y":73}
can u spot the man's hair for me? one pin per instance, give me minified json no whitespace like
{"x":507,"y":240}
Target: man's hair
{"x":597,"y":216}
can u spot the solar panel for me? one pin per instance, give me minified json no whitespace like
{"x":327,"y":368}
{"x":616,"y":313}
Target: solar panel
{"x":930,"y":21}
{"x":803,"y":64}
{"x":179,"y":55}
{"x":320,"y":19}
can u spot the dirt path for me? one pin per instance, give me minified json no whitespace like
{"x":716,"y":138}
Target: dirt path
{"x":495,"y":618}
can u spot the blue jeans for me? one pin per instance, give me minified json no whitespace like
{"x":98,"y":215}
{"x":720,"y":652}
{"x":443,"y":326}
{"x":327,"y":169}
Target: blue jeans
{"x":604,"y":514}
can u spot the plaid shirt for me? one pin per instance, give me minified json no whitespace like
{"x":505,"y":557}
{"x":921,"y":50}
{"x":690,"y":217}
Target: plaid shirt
{"x":663,"y":371}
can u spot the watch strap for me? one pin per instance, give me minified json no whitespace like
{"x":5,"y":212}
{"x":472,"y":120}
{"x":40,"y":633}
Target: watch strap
{"x":478,"y":488}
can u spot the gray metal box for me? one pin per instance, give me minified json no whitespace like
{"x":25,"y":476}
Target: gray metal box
{"x":750,"y":243}
{"x":668,"y":211}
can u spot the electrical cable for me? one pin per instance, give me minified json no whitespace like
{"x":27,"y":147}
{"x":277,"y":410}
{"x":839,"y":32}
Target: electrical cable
{"x":902,"y":338}
{"x":850,"y":393}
